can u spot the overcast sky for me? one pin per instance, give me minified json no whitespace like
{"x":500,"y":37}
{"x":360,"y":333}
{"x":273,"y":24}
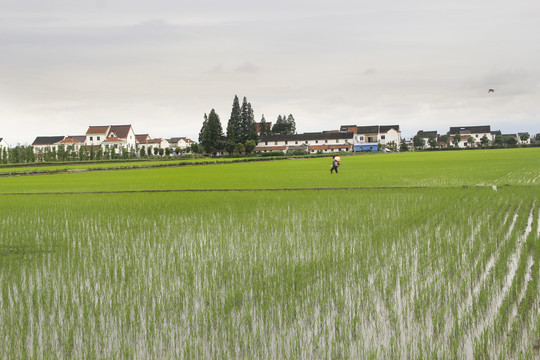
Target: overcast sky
{"x":160,"y":65}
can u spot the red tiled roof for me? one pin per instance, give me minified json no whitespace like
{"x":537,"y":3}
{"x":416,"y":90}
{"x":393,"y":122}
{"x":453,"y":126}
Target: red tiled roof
{"x":329,"y":147}
{"x":114,"y":139}
{"x":270,"y":148}
{"x":80,"y":138}
{"x":97,"y":130}
{"x":69,"y":140}
{"x":142,"y":137}
{"x":121,"y":131}
{"x":150,"y":141}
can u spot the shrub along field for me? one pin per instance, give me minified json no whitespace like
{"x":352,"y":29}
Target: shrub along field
{"x":425,"y":255}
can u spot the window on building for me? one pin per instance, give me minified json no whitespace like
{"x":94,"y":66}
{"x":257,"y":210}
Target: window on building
{"x":337,"y":141}
{"x":275,"y":143}
{"x":325,"y":141}
{"x":383,"y":137}
{"x":316,"y":141}
{"x":286,"y":142}
{"x":296,"y":142}
{"x":266,"y":143}
{"x":306,"y":141}
{"x":98,"y":138}
{"x":91,"y":138}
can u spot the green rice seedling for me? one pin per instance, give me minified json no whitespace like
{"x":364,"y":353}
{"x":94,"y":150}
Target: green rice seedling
{"x":351,"y":273}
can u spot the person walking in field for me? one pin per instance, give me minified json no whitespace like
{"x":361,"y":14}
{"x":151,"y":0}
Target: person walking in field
{"x":336,"y":161}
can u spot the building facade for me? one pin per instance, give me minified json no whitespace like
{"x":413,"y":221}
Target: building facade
{"x":3,"y":145}
{"x":111,"y":136}
{"x":466,"y":132}
{"x":385,"y":135}
{"x":323,"y":142}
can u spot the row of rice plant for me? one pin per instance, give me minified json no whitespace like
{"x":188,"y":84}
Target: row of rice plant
{"x":288,"y":274}
{"x":486,"y":168}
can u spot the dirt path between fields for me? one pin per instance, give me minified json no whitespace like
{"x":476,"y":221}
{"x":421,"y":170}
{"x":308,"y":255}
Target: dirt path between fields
{"x":246,"y":190}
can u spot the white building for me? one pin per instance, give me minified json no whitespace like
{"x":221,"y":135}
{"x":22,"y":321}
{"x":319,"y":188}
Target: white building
{"x":466,"y":132}
{"x":426,"y":135}
{"x":119,"y":136}
{"x":46,"y":143}
{"x":527,"y":142}
{"x":325,"y":142}
{"x":375,"y":134}
{"x":389,"y":134}
{"x":73,"y":143}
{"x":179,"y":142}
{"x":3,"y":145}
{"x":146,"y":143}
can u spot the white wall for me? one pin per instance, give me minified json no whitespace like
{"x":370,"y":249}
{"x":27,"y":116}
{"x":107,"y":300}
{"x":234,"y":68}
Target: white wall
{"x":131,"y":142}
{"x":95,"y":139}
{"x":3,"y":145}
{"x":392,"y":136}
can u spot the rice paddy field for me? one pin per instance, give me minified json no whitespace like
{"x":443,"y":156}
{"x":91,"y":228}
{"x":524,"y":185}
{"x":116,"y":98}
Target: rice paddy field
{"x":423,"y":255}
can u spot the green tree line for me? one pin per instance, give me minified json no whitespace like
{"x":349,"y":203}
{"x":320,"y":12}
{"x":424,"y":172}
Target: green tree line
{"x":241,"y":131}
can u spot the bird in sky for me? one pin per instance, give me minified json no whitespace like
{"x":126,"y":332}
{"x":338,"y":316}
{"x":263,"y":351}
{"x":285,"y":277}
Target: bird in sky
{"x":491,"y":90}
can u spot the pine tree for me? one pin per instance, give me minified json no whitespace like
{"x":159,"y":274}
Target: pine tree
{"x":264,"y":127}
{"x":234,"y":126}
{"x":250,"y":125}
{"x":244,"y":123}
{"x":203,"y":129}
{"x":291,"y":124}
{"x":284,"y":125}
{"x":210,"y":138}
{"x":278,"y":127}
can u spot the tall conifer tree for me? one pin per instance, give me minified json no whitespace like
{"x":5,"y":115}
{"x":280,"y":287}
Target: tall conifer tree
{"x":264,"y":127}
{"x":291,"y":124}
{"x":249,"y":128}
{"x":211,"y":136}
{"x":203,"y":129}
{"x":234,"y":126}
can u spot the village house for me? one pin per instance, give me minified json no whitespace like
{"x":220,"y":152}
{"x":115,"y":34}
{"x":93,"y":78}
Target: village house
{"x":73,"y":143}
{"x":466,"y":132}
{"x":46,"y":143}
{"x":426,"y":135}
{"x":3,"y":145}
{"x":369,"y":137}
{"x":324,"y":142}
{"x":142,"y":138}
{"x":111,"y":137}
{"x":147,"y":144}
{"x":527,"y":142}
{"x":179,"y":142}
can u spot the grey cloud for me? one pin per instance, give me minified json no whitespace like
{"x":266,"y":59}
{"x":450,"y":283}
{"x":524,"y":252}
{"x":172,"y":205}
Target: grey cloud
{"x":414,"y":63}
{"x":218,"y":69}
{"x":247,"y":67}
{"x":508,"y":82}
